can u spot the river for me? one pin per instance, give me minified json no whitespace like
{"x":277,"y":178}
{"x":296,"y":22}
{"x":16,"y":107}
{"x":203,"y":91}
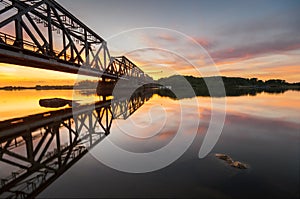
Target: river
{"x":262,"y":131}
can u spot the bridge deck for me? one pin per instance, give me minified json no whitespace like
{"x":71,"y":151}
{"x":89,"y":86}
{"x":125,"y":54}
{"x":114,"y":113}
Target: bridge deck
{"x":24,"y":57}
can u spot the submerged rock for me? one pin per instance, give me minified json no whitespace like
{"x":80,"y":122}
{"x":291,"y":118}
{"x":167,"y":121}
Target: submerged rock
{"x":55,"y":103}
{"x":239,"y":165}
{"x":225,"y":157}
{"x":231,"y":162}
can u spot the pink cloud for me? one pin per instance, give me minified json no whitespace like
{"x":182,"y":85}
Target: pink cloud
{"x":167,"y":37}
{"x":254,"y":50}
{"x":206,"y":43}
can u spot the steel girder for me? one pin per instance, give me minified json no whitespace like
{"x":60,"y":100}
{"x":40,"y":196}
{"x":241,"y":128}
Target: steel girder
{"x":45,"y":35}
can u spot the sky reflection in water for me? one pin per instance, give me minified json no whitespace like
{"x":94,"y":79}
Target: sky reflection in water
{"x":262,"y":131}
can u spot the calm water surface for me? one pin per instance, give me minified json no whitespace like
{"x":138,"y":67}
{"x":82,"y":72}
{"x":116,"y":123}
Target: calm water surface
{"x":26,"y":102}
{"x":262,"y":131}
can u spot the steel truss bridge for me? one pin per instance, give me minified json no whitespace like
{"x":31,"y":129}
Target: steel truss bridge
{"x":43,"y":34}
{"x":40,"y":148}
{"x":37,"y":149}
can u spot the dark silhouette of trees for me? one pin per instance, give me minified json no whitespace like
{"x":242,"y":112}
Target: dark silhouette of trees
{"x":234,"y":86}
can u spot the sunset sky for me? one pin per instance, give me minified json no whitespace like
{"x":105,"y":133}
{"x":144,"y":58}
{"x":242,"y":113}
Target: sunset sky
{"x":244,"y":38}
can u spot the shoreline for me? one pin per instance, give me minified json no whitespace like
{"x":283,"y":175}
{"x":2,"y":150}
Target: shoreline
{"x":253,"y":87}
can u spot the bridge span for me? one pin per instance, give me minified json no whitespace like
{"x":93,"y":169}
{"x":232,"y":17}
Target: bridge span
{"x":37,"y":149}
{"x":43,"y":34}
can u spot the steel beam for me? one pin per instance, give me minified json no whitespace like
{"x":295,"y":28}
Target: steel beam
{"x":44,"y":55}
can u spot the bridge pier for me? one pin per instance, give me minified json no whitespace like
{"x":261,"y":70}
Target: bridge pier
{"x":105,"y":87}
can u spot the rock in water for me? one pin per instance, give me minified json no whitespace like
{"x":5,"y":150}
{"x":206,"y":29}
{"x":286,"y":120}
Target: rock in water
{"x":54,"y":103}
{"x":239,"y":165}
{"x":225,"y":157}
{"x":229,"y":160}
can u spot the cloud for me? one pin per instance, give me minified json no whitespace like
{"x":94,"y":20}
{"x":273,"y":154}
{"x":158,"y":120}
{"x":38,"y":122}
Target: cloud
{"x":239,"y":53}
{"x":286,"y":21}
{"x":250,"y":51}
{"x":206,"y":43}
{"x":167,"y":37}
{"x":159,"y":60}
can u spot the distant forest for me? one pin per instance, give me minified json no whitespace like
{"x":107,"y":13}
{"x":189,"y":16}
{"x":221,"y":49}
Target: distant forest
{"x":86,"y":84}
{"x":234,"y":86}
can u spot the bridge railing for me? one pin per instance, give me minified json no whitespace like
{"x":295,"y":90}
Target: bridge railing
{"x":10,"y":40}
{"x":26,"y":45}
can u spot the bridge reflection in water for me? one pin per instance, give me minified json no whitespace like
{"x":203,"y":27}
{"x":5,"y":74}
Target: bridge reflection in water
{"x":37,"y":149}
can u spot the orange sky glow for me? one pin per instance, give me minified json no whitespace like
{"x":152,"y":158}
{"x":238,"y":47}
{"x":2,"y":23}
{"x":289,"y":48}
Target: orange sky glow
{"x":12,"y":75}
{"x":243,"y":48}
